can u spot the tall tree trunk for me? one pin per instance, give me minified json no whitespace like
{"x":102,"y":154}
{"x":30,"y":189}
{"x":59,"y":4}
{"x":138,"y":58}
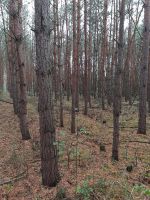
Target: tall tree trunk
{"x":59,"y":67}
{"x":144,"y":71}
{"x":22,"y":84}
{"x":90,"y":54}
{"x":55,"y":51}
{"x":78,"y":51}
{"x":67,"y":57}
{"x":19,"y":67}
{"x":103,"y":55}
{"x":109,"y":59}
{"x":148,"y":85}
{"x":1,"y":71}
{"x":74,"y":68}
{"x":117,"y":85}
{"x":7,"y":54}
{"x":95,"y":58}
{"x":85,"y":60}
{"x":14,"y":90}
{"x":127,"y":67}
{"x":49,"y":157}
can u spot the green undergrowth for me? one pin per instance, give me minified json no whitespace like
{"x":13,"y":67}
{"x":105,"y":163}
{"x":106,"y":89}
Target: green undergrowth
{"x":111,"y":190}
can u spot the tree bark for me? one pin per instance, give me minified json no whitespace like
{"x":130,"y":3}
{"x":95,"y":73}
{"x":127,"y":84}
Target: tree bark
{"x":19,"y":67}
{"x":14,"y":90}
{"x":103,"y":57}
{"x":85,"y":60}
{"x":74,"y":68}
{"x":144,"y":70}
{"x":49,"y":157}
{"x":117,"y":85}
{"x":78,"y":51}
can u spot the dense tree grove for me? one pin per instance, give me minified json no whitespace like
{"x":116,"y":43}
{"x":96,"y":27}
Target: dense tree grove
{"x":76,"y":51}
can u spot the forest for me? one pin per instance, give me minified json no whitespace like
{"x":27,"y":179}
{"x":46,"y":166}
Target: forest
{"x":74,"y":99}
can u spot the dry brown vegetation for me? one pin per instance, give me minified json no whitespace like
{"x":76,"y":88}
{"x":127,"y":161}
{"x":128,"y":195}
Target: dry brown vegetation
{"x":84,"y":168}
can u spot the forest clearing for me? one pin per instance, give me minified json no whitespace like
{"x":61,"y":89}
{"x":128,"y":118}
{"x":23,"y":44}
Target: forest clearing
{"x":74,"y":100}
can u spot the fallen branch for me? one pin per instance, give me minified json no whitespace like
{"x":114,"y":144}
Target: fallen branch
{"x":130,"y":141}
{"x":136,"y":141}
{"x":14,"y":179}
{"x":124,"y":127}
{"x":95,"y":196}
{"x":5,"y":101}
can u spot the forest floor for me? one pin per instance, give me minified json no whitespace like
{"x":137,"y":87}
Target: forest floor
{"x":86,"y":171}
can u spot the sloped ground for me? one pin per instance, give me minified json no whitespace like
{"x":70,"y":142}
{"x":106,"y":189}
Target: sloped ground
{"x":83,"y":167}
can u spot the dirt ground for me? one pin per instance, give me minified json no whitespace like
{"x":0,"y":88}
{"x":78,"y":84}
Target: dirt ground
{"x":86,"y":171}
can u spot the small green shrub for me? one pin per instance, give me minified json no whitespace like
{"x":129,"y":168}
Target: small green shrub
{"x":85,"y":190}
{"x":37,"y":198}
{"x":84,"y":131}
{"x":101,"y":186}
{"x":61,"y":194}
{"x":142,"y":189}
{"x":60,"y":146}
{"x":8,"y":188}
{"x":16,"y":161}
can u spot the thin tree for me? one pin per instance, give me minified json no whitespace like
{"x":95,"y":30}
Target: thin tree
{"x":67,"y":55}
{"x":89,"y":53}
{"x":103,"y":54}
{"x":55,"y":51}
{"x":13,"y":73}
{"x":117,"y":85}
{"x":148,"y":85}
{"x":144,"y":70}
{"x":74,"y":67}
{"x":78,"y":51}
{"x":59,"y":66}
{"x":85,"y":60}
